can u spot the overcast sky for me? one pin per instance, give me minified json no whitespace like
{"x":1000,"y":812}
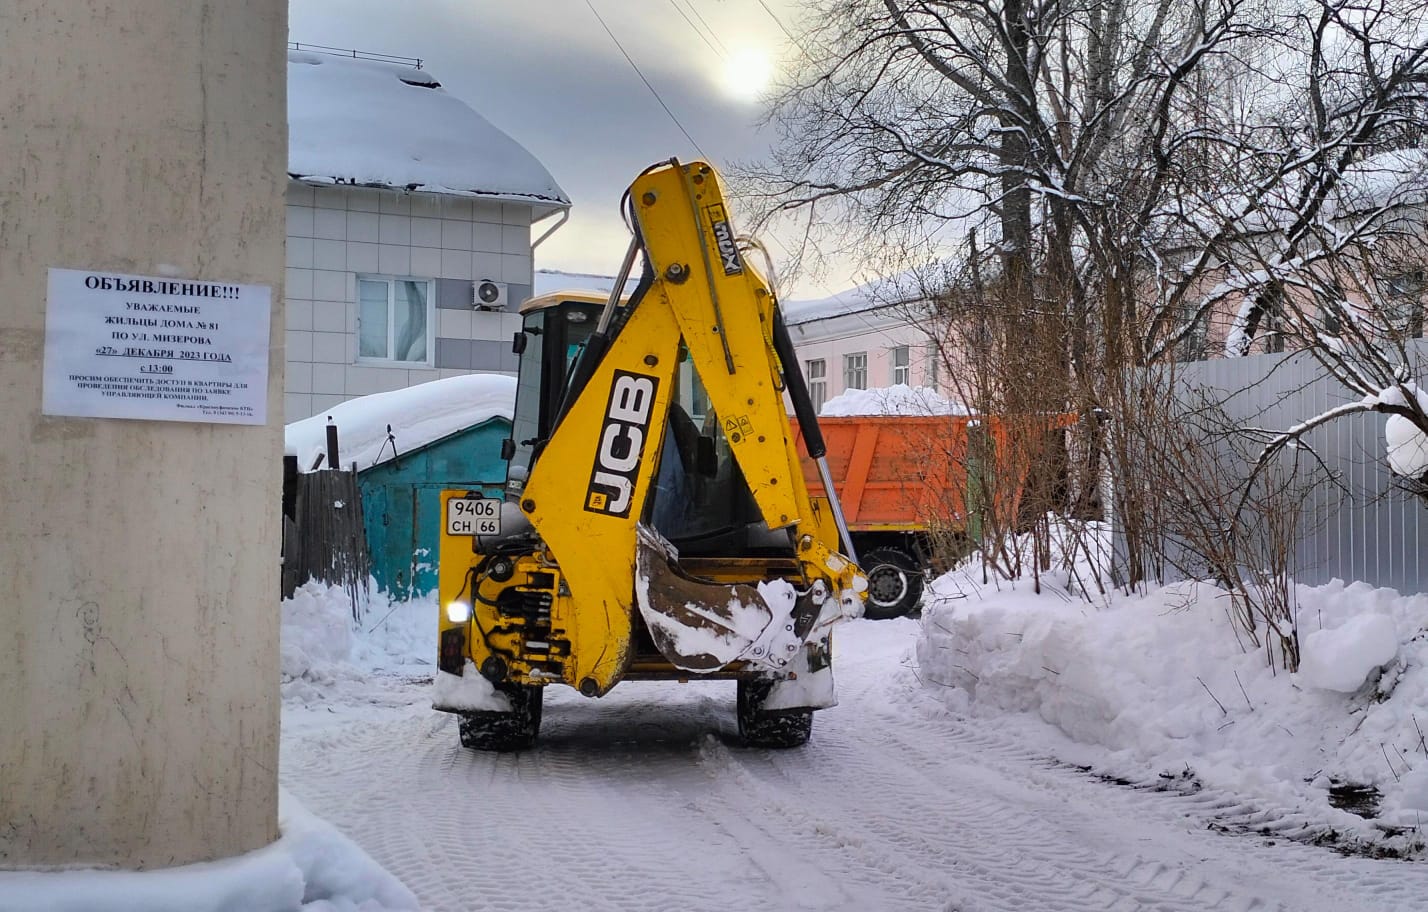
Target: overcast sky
{"x":546,"y":72}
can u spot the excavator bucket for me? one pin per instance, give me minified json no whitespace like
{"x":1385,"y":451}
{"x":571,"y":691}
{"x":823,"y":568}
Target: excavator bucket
{"x":702,"y":626}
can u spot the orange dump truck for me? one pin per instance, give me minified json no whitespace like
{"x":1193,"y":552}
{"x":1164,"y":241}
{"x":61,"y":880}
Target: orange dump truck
{"x":899,"y":478}
{"x":895,"y":475}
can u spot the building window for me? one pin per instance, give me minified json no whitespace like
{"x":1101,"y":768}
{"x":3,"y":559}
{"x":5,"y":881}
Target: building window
{"x":901,"y":366}
{"x":1193,"y":336}
{"x":855,"y":371}
{"x":817,"y":374}
{"x":934,"y":366}
{"x":1404,"y":303}
{"x":394,"y":320}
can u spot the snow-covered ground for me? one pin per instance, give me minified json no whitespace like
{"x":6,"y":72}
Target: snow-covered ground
{"x":1161,"y":689}
{"x":312,"y":868}
{"x":1010,"y":751}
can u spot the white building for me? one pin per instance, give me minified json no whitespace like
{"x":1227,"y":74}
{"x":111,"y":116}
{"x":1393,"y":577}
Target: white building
{"x":403,"y":204}
{"x":855,"y":340}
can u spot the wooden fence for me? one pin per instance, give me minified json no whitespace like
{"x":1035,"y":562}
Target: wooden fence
{"x":324,"y":538}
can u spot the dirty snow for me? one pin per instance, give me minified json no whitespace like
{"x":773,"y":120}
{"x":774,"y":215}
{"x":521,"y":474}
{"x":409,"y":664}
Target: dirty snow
{"x":372,"y":123}
{"x":312,"y":867}
{"x":418,"y":415}
{"x":898,"y":399}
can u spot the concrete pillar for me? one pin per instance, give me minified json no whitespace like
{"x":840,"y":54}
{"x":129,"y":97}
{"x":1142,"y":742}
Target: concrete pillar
{"x":138,"y":559}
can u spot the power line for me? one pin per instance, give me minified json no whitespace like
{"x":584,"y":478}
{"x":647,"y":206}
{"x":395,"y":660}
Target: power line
{"x":679,"y":9}
{"x":706,"y":25}
{"x":775,"y":18}
{"x":636,"y":68}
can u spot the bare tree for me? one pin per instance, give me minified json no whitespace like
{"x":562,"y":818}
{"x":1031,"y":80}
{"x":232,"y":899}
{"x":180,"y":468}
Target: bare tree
{"x":1097,"y":180}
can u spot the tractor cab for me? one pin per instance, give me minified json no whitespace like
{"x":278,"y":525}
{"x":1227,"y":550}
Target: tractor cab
{"x":701,"y":502}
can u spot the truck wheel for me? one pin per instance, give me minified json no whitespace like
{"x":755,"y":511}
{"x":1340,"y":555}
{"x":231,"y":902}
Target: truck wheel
{"x":894,"y":583}
{"x":505,"y":731}
{"x":777,"y":728}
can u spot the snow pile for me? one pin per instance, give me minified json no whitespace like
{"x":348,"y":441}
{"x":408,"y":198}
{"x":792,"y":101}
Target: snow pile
{"x":1160,"y":684}
{"x":372,"y":123}
{"x":312,"y":867}
{"x":469,"y":691}
{"x":326,"y":653}
{"x":1341,"y":659}
{"x":417,"y":416}
{"x":899,"y":399}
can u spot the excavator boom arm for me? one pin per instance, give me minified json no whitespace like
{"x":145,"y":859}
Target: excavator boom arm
{"x":587,"y":491}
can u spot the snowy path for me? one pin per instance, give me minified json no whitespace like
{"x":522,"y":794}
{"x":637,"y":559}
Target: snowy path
{"x":645,"y":801}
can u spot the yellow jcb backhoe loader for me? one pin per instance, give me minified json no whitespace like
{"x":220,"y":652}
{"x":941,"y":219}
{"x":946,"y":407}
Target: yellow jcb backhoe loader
{"x":655,"y":523}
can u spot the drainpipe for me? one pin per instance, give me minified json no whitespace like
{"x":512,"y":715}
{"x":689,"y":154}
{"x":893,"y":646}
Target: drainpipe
{"x":564,"y":217}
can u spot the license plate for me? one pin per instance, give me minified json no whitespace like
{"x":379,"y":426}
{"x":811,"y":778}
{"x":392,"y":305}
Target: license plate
{"x":473,"y":516}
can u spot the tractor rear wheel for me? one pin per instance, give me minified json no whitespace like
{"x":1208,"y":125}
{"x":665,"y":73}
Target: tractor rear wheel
{"x":505,"y":731}
{"x":777,"y":728}
{"x":894,"y":583}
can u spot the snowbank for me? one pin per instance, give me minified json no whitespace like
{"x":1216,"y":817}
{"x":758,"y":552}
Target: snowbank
{"x":382,"y":124}
{"x":1161,"y":684}
{"x":311,"y":867}
{"x":899,"y":399}
{"x":417,"y":415}
{"x":325,"y":652}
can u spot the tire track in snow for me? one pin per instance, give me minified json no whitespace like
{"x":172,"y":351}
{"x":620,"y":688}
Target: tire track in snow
{"x":1334,"y":883}
{"x":644,"y":801}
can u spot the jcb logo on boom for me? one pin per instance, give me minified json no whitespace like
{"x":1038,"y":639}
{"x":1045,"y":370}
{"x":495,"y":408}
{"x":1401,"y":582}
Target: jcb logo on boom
{"x":622,"y":440}
{"x":724,"y":239}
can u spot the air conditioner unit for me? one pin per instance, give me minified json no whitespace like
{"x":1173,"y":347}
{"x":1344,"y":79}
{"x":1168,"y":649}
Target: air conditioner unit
{"x":487,"y":294}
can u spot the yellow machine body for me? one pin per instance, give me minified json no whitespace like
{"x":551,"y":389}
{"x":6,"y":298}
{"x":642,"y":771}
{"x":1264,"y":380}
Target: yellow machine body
{"x":567,"y":605}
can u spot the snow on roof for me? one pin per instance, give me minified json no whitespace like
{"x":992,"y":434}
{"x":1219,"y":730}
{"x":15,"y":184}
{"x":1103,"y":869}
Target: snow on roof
{"x":418,"y":415}
{"x":380,"y":124}
{"x":874,"y":295}
{"x":898,"y":399}
{"x":1388,"y":178}
{"x":549,"y":281}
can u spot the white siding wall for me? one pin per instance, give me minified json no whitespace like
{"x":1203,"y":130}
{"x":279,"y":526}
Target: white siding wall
{"x":337,"y":233}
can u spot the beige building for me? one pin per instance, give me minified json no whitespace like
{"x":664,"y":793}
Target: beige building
{"x":858,"y":341}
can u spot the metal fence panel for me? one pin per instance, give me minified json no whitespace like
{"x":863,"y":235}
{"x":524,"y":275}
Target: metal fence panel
{"x":1366,"y":528}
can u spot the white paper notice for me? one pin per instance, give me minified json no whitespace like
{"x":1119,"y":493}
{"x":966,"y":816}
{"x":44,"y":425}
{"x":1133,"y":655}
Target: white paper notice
{"x":122,"y":346}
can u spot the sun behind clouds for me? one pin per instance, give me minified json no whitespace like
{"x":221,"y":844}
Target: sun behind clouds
{"x":747,"y":73}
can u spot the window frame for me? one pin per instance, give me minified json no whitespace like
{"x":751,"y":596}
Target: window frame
{"x":390,"y":281}
{"x":900,"y":373}
{"x":1403,"y":303}
{"x":849,"y":371}
{"x":817,"y":385}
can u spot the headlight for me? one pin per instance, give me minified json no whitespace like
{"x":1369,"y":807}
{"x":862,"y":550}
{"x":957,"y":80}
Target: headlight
{"x":458,"y":612}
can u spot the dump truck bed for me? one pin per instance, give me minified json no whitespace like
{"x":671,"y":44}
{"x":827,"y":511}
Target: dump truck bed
{"x":893,"y":472}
